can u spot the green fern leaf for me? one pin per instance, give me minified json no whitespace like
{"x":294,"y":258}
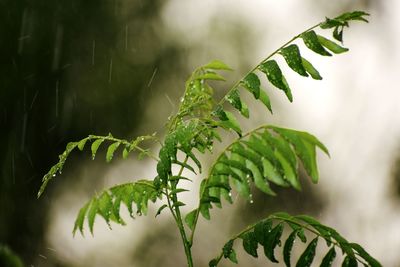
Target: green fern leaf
{"x":311,"y":69}
{"x":234,"y":99}
{"x":349,"y":262}
{"x":311,"y":40}
{"x":261,"y":230}
{"x":80,"y":219}
{"x":81,"y":144}
{"x":329,"y":258}
{"x":332,"y":46}
{"x":293,"y":58}
{"x":250,"y":244}
{"x":308,"y":255}
{"x":92,"y":213}
{"x":210,"y":76}
{"x":228,"y":120}
{"x":229,"y":252}
{"x":264,"y":98}
{"x":190,"y":218}
{"x":107,"y":204}
{"x":110,"y":151}
{"x":271,"y":241}
{"x":252,"y":83}
{"x":287,"y":248}
{"x":217,"y":65}
{"x":95,"y":146}
{"x":368,"y":258}
{"x":275,"y":76}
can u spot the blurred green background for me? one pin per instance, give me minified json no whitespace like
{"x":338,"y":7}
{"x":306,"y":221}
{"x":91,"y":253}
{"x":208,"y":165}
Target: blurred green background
{"x":72,"y":68}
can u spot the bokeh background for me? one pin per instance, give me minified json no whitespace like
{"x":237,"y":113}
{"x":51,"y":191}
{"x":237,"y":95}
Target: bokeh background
{"x":72,"y":68}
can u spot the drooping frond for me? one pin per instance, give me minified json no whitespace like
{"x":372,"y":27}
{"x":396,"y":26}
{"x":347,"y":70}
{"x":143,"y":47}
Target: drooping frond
{"x":108,"y":203}
{"x":273,"y":71}
{"x":268,"y":234}
{"x":266,"y":155}
{"x":128,"y":147}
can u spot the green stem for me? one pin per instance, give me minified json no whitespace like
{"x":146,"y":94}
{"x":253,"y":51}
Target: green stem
{"x":176,"y":213}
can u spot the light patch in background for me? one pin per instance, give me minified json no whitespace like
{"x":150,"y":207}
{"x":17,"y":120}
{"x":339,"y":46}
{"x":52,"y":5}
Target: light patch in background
{"x":354,"y":111}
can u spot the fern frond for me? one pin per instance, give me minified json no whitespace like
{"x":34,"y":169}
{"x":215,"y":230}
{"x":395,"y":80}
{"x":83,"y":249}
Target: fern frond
{"x":274,"y":74}
{"x":97,"y":141}
{"x":107,"y":204}
{"x":268,"y":233}
{"x":266,"y":155}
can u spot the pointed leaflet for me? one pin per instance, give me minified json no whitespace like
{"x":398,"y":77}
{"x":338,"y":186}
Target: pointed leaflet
{"x":250,"y":243}
{"x":110,"y":151}
{"x":308,"y":255}
{"x":217,"y":65}
{"x":264,"y":98}
{"x":95,"y":146}
{"x":293,"y":58}
{"x":275,"y":76}
{"x":271,"y":241}
{"x":310,"y":39}
{"x":80,"y":219}
{"x":234,"y":99}
{"x":287,"y":248}
{"x":338,"y":33}
{"x":160,"y":209}
{"x":92,"y":213}
{"x":82,"y":143}
{"x":259,"y":181}
{"x":311,"y":69}
{"x":228,"y":120}
{"x":229,"y":252}
{"x":105,"y":206}
{"x":210,"y":76}
{"x":261,"y":229}
{"x":329,"y":258}
{"x":349,"y":262}
{"x":368,"y":258}
{"x":252,"y":83}
{"x":332,"y":46}
{"x":304,"y":150}
{"x":190,"y":218}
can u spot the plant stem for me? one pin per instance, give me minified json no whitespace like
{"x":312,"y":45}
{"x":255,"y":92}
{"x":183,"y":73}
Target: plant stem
{"x":176,"y":213}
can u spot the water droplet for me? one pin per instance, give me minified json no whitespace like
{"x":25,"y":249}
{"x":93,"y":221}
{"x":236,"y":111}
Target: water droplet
{"x":182,"y":99}
{"x":54,"y":175}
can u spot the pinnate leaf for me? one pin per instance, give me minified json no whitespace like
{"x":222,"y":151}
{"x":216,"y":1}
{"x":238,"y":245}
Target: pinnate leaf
{"x":310,"y":39}
{"x":275,"y":76}
{"x":293,"y":58}
{"x":332,"y":46}
{"x":217,"y":65}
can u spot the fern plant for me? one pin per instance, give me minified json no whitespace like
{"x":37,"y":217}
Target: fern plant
{"x":266,"y":155}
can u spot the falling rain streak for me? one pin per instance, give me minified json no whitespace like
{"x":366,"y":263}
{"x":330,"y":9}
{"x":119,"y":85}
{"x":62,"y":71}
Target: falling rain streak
{"x":110,"y":72}
{"x":57,"y":97}
{"x":126,"y":37}
{"x":34,"y":99}
{"x":23,"y":136}
{"x":13,"y":167}
{"x":93,"y":51}
{"x":152,"y":77}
